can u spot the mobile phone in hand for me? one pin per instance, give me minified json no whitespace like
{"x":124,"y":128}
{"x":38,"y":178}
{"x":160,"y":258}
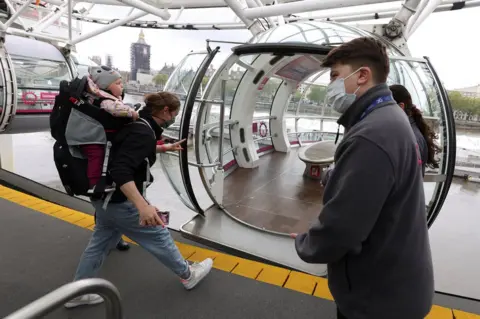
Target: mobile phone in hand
{"x":164,"y":216}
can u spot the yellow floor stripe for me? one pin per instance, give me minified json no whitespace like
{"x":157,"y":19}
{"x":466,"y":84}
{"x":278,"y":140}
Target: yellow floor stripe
{"x":302,"y":282}
{"x":294,"y":280}
{"x":440,"y":313}
{"x":464,"y":315}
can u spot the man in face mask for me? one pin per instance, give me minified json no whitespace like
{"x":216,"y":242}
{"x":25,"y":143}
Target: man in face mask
{"x":372,"y":231}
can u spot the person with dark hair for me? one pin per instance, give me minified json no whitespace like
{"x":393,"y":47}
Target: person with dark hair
{"x":424,"y":134}
{"x":372,"y":231}
{"x":127,"y":210}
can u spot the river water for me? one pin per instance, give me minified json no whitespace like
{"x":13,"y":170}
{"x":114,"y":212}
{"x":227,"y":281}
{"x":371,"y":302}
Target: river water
{"x":454,"y":237}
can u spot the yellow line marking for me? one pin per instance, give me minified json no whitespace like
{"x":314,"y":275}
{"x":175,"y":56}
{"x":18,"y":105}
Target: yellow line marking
{"x":248,"y":268}
{"x":302,"y":282}
{"x":293,"y":280}
{"x":273,"y":275}
{"x":438,"y":312}
{"x":225,"y":262}
{"x":322,"y":291}
{"x":464,"y":315}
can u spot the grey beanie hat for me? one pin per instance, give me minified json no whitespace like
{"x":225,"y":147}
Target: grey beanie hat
{"x":103,"y":76}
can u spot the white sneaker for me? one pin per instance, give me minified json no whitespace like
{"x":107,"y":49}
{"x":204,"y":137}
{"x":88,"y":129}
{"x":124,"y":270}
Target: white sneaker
{"x":198,"y":271}
{"x":91,"y":299}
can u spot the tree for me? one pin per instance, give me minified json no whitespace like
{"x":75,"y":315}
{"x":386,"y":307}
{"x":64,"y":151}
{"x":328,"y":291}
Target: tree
{"x":205,"y":81}
{"x":160,"y":79}
{"x":297,"y":96}
{"x":317,"y":93}
{"x":469,"y":105}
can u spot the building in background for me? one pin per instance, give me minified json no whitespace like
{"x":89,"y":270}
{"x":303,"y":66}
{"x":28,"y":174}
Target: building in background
{"x":472,"y":91}
{"x":139,"y":58}
{"x":109,"y":60}
{"x":167,"y":70}
{"x":97,"y":59}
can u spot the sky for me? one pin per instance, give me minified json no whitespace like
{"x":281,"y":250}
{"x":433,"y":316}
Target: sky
{"x":447,"y":38}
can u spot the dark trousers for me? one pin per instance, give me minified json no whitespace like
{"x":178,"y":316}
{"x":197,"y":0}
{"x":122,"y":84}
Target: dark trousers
{"x":339,"y":315}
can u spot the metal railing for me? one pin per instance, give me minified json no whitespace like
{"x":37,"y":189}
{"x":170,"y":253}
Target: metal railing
{"x":55,"y":299}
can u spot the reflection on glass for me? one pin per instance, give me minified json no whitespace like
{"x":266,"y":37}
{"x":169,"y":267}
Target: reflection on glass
{"x":418,"y":80}
{"x":34,"y":100}
{"x":36,"y":74}
{"x":181,"y":79}
{"x":82,"y":63}
{"x":38,"y":82}
{"x":172,"y":170}
{"x":248,"y":59}
{"x":180,"y":83}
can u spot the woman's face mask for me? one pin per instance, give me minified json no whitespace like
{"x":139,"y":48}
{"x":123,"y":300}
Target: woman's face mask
{"x":337,"y":97}
{"x":168,"y":123}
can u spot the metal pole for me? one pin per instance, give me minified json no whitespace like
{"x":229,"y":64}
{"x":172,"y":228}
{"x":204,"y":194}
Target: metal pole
{"x":69,"y":20}
{"x":344,"y":14}
{"x":147,"y":8}
{"x":40,"y":36}
{"x":17,"y":14}
{"x":51,"y":20}
{"x":177,"y":4}
{"x":304,"y":6}
{"x":10,"y":6}
{"x":223,"y":86}
{"x":251,"y":25}
{"x":429,"y":9}
{"x":43,"y":20}
{"x":51,"y":301}
{"x":108,"y":27}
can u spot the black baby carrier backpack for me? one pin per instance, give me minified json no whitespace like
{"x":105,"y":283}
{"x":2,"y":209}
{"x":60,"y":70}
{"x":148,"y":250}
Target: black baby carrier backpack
{"x":78,"y":120}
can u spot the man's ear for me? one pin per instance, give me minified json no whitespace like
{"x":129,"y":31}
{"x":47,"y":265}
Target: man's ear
{"x":402,"y":105}
{"x":365,"y":75}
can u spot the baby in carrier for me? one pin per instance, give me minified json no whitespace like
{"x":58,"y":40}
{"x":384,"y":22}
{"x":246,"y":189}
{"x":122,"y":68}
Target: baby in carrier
{"x":104,"y":89}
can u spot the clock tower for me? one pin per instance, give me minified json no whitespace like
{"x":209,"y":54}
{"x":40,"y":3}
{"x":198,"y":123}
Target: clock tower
{"x":139,"y":56}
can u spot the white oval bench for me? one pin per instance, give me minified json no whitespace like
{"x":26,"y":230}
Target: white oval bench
{"x":317,"y":157}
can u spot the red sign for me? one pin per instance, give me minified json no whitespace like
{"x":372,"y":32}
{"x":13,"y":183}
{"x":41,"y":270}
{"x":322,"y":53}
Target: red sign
{"x":48,"y":95}
{"x":315,"y":171}
{"x":29,"y":98}
{"x":262,"y":84}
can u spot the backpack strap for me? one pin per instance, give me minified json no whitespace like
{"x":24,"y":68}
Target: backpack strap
{"x":146,"y":183}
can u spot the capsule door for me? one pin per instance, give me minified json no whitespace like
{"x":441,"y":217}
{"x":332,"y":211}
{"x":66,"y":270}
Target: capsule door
{"x":429,"y":95}
{"x":186,"y":81}
{"x":258,"y":65}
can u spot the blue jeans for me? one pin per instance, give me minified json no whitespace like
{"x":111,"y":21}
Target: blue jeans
{"x":123,"y":218}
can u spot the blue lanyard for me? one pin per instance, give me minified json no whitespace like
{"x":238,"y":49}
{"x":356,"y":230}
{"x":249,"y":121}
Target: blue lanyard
{"x":382,"y":99}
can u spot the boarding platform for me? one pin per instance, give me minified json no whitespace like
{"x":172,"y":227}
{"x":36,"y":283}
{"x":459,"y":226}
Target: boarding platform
{"x":42,"y":243}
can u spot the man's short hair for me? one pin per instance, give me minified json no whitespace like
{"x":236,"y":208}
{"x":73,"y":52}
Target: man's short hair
{"x":365,"y":51}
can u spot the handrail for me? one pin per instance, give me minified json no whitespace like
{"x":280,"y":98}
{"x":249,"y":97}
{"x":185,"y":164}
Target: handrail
{"x":56,"y":298}
{"x":323,"y":117}
{"x":193,"y":163}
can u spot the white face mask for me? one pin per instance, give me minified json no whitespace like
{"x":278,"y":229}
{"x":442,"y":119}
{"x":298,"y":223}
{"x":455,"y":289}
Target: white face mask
{"x":336,"y":96}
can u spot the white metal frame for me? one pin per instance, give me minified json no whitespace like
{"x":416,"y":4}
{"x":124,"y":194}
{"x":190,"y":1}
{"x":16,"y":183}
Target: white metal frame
{"x":278,"y":127}
{"x":9,"y":89}
{"x":254,"y":15}
{"x":242,"y":110}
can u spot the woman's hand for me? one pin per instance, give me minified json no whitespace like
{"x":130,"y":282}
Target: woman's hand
{"x":177,"y":146}
{"x":170,"y":147}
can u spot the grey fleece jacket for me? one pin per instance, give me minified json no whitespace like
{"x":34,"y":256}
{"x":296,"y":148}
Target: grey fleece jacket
{"x":372,"y":231}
